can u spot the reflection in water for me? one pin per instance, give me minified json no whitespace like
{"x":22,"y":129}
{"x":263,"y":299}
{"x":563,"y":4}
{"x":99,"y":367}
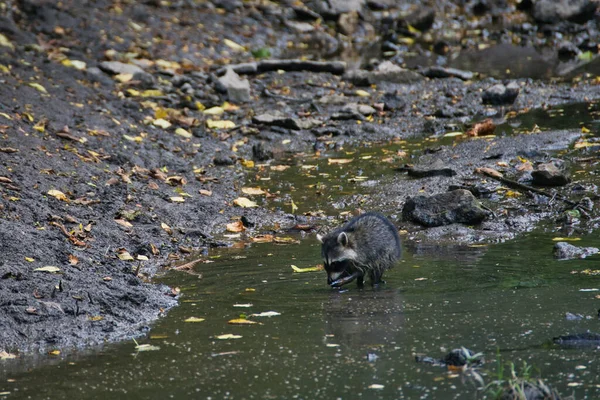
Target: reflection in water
{"x":359,"y":319}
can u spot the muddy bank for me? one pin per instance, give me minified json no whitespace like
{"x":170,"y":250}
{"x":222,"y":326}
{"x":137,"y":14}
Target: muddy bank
{"x":118,"y":154}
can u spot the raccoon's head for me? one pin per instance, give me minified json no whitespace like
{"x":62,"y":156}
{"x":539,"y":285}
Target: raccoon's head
{"x":338,"y":255}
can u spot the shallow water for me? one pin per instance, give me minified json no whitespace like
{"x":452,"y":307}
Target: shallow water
{"x":509,"y":297}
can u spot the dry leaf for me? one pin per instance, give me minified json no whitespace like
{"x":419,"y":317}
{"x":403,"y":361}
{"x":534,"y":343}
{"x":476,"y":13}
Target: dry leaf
{"x":193,"y":319}
{"x":224,"y":124}
{"x":242,"y":321}
{"x":253,"y":191}
{"x":48,"y":268}
{"x":237,"y":226}
{"x":262,"y":238}
{"x":205,"y":192}
{"x":339,"y":160}
{"x":266,"y":314}
{"x":73,"y":260}
{"x":58,"y":195}
{"x":166,"y":228}
{"x":244,"y":202}
{"x":228,"y":336}
{"x":483,"y":128}
{"x":309,"y":269}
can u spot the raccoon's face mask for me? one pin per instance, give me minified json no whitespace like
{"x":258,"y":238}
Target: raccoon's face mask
{"x":337,"y":256}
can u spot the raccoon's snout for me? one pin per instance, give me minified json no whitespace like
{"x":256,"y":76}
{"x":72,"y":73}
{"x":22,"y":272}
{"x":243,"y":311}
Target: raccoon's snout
{"x":333,"y":276}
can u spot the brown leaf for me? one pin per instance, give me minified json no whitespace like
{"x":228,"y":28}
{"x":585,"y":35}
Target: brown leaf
{"x":482,"y":128}
{"x":236,"y":226}
{"x":176,"y":180}
{"x":488,"y":171}
{"x":262,"y":238}
{"x":8,"y":150}
{"x":73,"y":260}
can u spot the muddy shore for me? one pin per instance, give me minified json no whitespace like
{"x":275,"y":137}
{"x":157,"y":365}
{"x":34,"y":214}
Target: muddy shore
{"x":110,"y":173}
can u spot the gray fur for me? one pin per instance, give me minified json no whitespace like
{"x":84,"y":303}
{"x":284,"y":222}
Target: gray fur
{"x":368,"y":243}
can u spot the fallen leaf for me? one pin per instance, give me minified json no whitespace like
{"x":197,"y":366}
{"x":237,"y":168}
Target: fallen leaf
{"x":6,"y":356}
{"x":244,"y":305}
{"x":228,"y":336}
{"x":483,"y":128}
{"x":565,"y":239}
{"x":177,"y":199}
{"x":220,"y":124}
{"x":253,"y":191}
{"x":242,"y":321}
{"x":146,"y":347}
{"x":279,"y":168}
{"x":183,"y":133}
{"x":193,"y":319}
{"x":244,"y":202}
{"x":73,"y":260}
{"x":161,"y":123}
{"x":262,"y":238}
{"x":266,"y":314}
{"x":124,"y":256}
{"x":124,"y":223}
{"x":29,"y":259}
{"x":205,"y":192}
{"x":214,"y":111}
{"x":48,"y":268}
{"x":286,"y":240}
{"x":233,"y":45}
{"x":166,"y":228}
{"x":5,"y":42}
{"x":58,"y":195}
{"x":339,"y":160}
{"x":37,"y":87}
{"x":376,"y":386}
{"x":453,"y":134}
{"x":362,"y":93}
{"x":236,"y":226}
{"x":309,"y":269}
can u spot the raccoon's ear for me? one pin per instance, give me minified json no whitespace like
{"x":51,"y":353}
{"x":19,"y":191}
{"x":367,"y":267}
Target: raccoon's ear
{"x":343,"y":239}
{"x":320,"y":238}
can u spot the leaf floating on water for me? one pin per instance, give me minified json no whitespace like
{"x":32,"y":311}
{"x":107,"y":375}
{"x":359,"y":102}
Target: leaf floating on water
{"x":286,"y":240}
{"x":193,"y":319}
{"x":483,"y":128}
{"x":242,"y":321}
{"x":146,"y":347}
{"x":253,"y":191}
{"x":6,"y":356}
{"x":266,"y":314}
{"x":228,"y":336}
{"x":453,"y":134}
{"x":421,"y":279}
{"x":244,"y":305}
{"x":339,"y":160}
{"x":332,"y":345}
{"x":244,"y":202}
{"x":565,"y":239}
{"x":57,"y":194}
{"x":48,"y":268}
{"x":309,"y":269}
{"x":376,"y":386}
{"x":294,"y":207}
{"x":279,"y":168}
{"x":262,"y":238}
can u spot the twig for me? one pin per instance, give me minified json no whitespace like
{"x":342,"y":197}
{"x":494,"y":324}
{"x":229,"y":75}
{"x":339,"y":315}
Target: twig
{"x":492,"y":173}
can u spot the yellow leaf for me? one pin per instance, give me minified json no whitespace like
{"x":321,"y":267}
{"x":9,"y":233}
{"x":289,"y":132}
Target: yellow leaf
{"x":566,"y":239}
{"x":262,"y":238}
{"x":253,"y":191}
{"x":124,"y":78}
{"x":79,"y":65}
{"x":214,"y":111}
{"x":54,"y":352}
{"x":584,"y":130}
{"x":309,"y":269}
{"x":233,"y":45}
{"x":339,"y":160}
{"x":140,"y":257}
{"x":453,"y":134}
{"x":96,"y":318}
{"x":362,"y":93}
{"x":5,"y":42}
{"x":29,"y":259}
{"x":133,"y":92}
{"x":183,"y":133}
{"x":125,"y":256}
{"x":152,"y":93}
{"x":244,"y":202}
{"x":58,"y":195}
{"x":6,"y":356}
{"x":48,"y":268}
{"x":224,"y":124}
{"x":177,"y":199}
{"x":38,"y":87}
{"x":5,"y":115}
{"x":199,"y":106}
{"x":241,"y":321}
{"x":161,"y":123}
{"x":228,"y":336}
{"x":247,"y":163}
{"x":161,"y":113}
{"x":294,"y":207}
{"x":166,"y":228}
{"x":193,"y":319}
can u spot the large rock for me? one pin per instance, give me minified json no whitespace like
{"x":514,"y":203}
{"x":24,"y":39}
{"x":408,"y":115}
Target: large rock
{"x":500,"y":94}
{"x":457,"y":206}
{"x":552,"y":11}
{"x":237,"y":89}
{"x":551,"y":173}
{"x":566,"y":251}
{"x":277,"y":118}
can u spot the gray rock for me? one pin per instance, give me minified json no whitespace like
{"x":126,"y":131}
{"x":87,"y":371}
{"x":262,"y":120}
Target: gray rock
{"x":385,"y":72}
{"x":393,"y":101}
{"x":552,"y":11}
{"x":441,"y":72}
{"x":550,"y":174}
{"x":238,"y":90}
{"x":300,"y":27}
{"x":277,"y":118}
{"x":117,"y":67}
{"x":333,"y":99}
{"x":356,"y":108}
{"x":143,"y":80}
{"x":422,"y":18}
{"x":500,"y":94}
{"x":566,"y":251}
{"x":334,"y":8}
{"x":457,"y":206}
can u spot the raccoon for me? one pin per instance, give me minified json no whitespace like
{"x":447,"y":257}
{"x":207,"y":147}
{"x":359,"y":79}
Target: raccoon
{"x":368,"y":243}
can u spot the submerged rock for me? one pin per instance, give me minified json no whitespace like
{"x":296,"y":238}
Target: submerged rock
{"x":566,"y":251}
{"x":550,"y":174}
{"x":385,"y":72}
{"x":587,"y":339}
{"x":457,"y":206}
{"x":277,"y":118}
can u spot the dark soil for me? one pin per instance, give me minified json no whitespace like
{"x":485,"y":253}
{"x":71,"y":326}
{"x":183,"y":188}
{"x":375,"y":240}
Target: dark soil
{"x":91,"y":135}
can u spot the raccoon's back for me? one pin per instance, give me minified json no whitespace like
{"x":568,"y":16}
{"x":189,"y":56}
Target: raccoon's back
{"x":375,"y":240}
